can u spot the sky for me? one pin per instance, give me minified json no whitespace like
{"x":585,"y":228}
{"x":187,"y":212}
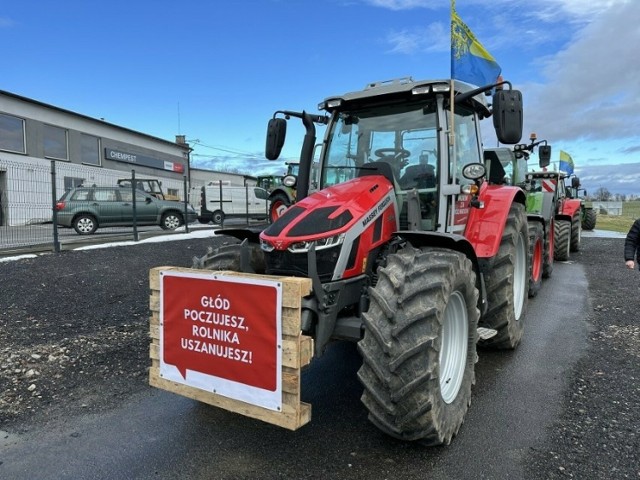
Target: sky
{"x":216,"y":71}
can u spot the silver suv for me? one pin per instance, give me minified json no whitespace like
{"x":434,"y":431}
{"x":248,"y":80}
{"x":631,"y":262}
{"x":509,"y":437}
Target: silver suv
{"x":88,"y":208}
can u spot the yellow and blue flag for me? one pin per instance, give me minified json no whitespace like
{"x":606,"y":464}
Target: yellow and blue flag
{"x":470,"y":61}
{"x":566,"y":162}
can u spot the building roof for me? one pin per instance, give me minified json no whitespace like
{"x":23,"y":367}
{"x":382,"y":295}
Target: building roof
{"x":91,"y":119}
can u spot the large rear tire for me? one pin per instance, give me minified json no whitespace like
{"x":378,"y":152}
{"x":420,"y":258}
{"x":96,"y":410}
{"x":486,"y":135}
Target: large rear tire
{"x":536,"y":254}
{"x":589,"y":222}
{"x":562,"y":243}
{"x":507,"y":283}
{"x":576,"y":232}
{"x":419,"y":345}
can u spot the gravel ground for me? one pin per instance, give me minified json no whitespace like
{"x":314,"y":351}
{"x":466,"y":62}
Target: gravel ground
{"x":73,"y":338}
{"x":74,"y":328}
{"x":598,"y":435}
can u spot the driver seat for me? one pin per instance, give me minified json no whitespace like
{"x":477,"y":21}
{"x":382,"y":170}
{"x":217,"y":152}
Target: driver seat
{"x":377,"y":168}
{"x":418,"y":176}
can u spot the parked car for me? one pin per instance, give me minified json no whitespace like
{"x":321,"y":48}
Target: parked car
{"x":88,"y":208}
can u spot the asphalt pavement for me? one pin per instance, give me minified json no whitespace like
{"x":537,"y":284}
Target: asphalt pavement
{"x":517,"y":399}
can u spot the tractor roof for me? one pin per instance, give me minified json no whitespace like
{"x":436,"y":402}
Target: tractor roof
{"x":401,"y":89}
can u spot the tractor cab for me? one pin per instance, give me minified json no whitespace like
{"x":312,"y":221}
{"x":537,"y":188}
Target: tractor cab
{"x":404,"y":131}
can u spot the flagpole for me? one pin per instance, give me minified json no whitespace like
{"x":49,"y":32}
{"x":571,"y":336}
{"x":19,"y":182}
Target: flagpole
{"x":452,"y":138}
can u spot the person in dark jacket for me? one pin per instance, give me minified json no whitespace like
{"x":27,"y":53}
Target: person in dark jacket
{"x":632,"y":245}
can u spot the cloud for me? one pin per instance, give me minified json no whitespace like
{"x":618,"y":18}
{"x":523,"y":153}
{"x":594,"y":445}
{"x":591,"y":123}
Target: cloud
{"x":433,"y":38}
{"x":620,"y":178}
{"x":6,"y":22}
{"x":592,"y":86}
{"x":405,"y":4}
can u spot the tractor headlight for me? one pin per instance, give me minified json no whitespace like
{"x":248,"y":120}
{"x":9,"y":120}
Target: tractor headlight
{"x":301,"y":247}
{"x":266,"y":246}
{"x":473,"y":171}
{"x":290,"y":181}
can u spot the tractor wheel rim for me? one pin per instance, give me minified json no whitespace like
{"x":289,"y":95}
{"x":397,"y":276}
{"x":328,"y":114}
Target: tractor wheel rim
{"x":278,"y":209}
{"x":537,"y":261}
{"x":453,"y":351}
{"x":519,"y":277}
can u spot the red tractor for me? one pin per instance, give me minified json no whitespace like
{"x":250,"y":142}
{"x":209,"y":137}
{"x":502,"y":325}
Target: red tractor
{"x":412,"y":252}
{"x":567,"y":217}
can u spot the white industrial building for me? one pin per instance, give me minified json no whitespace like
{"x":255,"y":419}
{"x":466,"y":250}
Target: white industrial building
{"x":35,"y":136}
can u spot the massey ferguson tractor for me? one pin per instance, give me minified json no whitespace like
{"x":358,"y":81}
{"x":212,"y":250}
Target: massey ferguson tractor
{"x":412,"y":251}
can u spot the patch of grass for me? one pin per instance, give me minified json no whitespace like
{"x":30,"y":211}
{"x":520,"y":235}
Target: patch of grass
{"x":619,"y":223}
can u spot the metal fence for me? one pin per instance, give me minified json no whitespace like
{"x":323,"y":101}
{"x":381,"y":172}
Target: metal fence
{"x":29,"y":192}
{"x":608,"y":208}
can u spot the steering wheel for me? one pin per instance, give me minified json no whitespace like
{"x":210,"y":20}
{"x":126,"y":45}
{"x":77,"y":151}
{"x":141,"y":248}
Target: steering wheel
{"x":396,"y":153}
{"x":396,"y":157}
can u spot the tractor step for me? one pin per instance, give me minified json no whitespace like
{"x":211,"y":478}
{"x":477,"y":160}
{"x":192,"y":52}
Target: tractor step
{"x":486,"y":333}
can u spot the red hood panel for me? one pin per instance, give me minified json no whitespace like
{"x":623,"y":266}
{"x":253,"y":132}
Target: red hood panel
{"x":350,"y":200}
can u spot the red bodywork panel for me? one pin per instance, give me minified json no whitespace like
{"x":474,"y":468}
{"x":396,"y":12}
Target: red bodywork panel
{"x":370,"y":200}
{"x":486,"y":225}
{"x":569,"y":207}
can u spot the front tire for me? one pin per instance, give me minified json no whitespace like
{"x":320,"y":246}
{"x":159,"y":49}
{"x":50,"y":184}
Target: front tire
{"x":419,"y":345}
{"x":279,"y":204}
{"x":85,"y":224}
{"x":507,"y":283}
{"x":171,"y":221}
{"x":228,"y":257}
{"x":562,"y":244}
{"x":536,"y":254}
{"x":590,"y":216}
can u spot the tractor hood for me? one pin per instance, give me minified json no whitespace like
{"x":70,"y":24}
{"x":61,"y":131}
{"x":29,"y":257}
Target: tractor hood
{"x":328,"y":213}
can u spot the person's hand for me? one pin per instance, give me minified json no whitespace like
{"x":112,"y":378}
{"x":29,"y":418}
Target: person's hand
{"x":630,"y":264}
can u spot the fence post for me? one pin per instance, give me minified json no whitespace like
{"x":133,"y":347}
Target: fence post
{"x":54,"y":212}
{"x":222,"y":222}
{"x":186,"y":204}
{"x":135,"y":213}
{"x":246,"y":201}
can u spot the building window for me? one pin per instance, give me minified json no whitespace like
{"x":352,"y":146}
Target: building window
{"x":55,"y":143}
{"x":72,"y":182}
{"x":11,"y":133}
{"x":90,"y":150}
{"x":173,"y":192}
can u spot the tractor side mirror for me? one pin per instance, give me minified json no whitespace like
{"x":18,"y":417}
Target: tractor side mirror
{"x":507,"y":116}
{"x":544,"y":155}
{"x":276,"y":132}
{"x":575,"y":182}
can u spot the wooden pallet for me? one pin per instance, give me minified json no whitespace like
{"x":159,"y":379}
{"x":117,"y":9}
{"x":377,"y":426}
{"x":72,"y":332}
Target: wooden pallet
{"x":297,"y":353}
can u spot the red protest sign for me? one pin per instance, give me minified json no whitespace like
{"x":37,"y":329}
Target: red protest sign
{"x":222,"y":327}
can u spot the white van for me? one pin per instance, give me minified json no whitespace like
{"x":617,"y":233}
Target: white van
{"x":235,"y":202}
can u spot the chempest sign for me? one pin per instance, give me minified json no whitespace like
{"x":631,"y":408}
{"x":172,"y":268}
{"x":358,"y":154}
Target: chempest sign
{"x":222,"y":334}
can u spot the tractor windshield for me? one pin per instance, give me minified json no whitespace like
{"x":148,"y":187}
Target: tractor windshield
{"x":403,"y":136}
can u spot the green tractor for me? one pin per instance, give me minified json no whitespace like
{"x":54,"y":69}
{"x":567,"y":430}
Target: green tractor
{"x":269,"y":182}
{"x":283,"y":195}
{"x":588,"y":215}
